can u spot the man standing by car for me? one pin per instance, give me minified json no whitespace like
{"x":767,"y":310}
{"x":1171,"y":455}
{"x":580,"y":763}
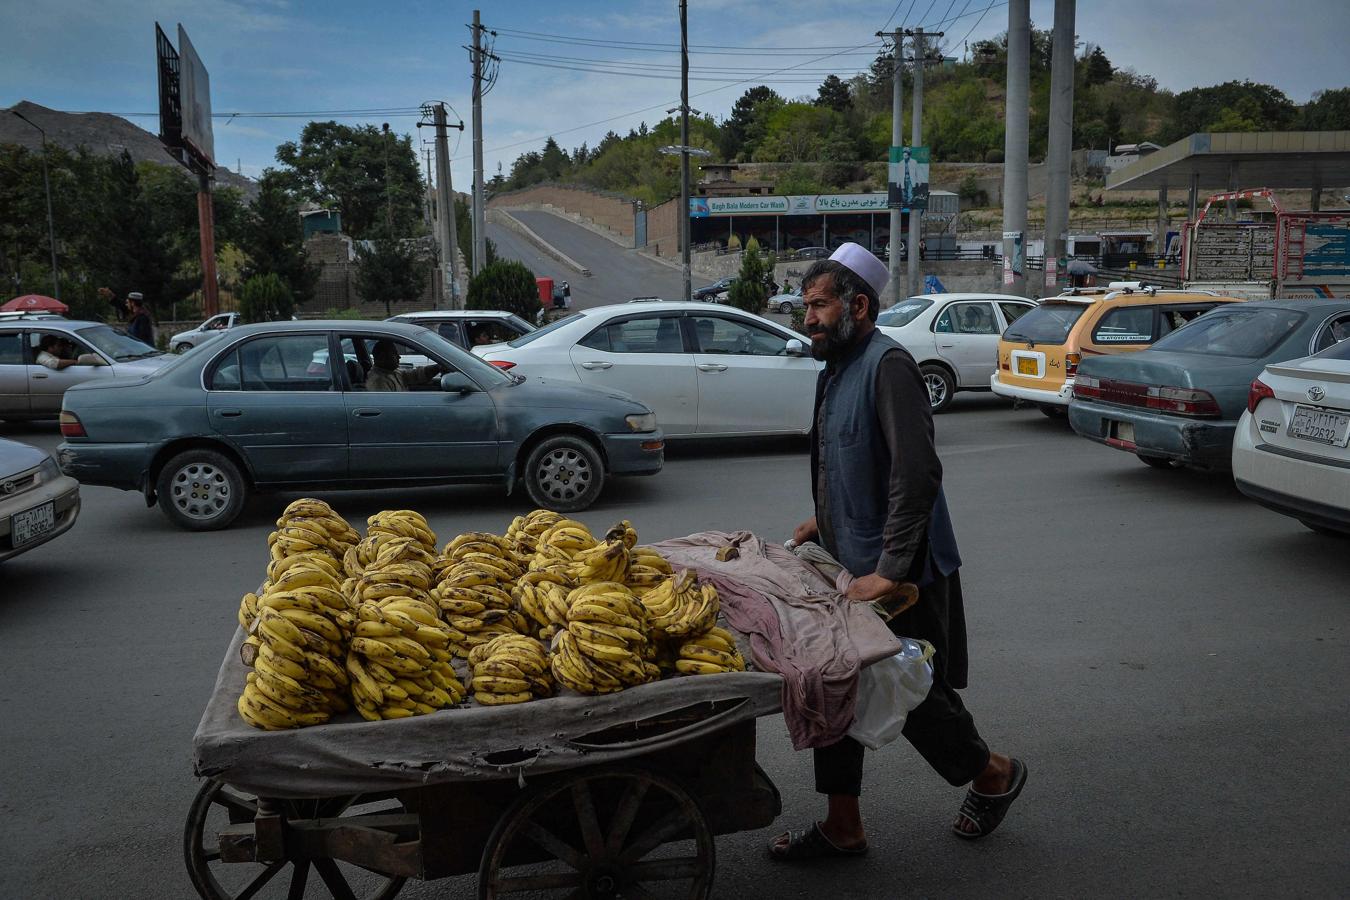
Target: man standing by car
{"x":140,"y":326}
{"x":877,"y":483}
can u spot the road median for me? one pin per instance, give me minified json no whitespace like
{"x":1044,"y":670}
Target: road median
{"x":506,"y":220}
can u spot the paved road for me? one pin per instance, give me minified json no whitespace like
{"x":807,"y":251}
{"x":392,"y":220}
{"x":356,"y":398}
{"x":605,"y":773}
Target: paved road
{"x":1169,"y":659}
{"x":617,"y":275}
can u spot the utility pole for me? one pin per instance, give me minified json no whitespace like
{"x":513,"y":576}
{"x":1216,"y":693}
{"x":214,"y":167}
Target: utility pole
{"x":916,"y":141}
{"x":206,"y":239}
{"x":1015,"y":147}
{"x":388,"y":196}
{"x":684,"y":152}
{"x":446,"y":232}
{"x":897,"y":138}
{"x":1060,"y":147}
{"x":51,"y":225}
{"x":479,"y":220}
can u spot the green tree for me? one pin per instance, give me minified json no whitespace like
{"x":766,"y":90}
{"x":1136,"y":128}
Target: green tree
{"x":1328,"y":111}
{"x":506,"y":285}
{"x":748,"y":291}
{"x":464,"y":234}
{"x":265,"y":298}
{"x":1097,"y":69}
{"x":273,"y":237}
{"x":736,"y":129}
{"x":833,"y":93}
{"x":369,"y":176}
{"x":390,"y":271}
{"x":1268,"y":109}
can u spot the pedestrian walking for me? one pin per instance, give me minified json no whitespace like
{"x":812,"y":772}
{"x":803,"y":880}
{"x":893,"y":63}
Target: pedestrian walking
{"x":140,"y":326}
{"x":877,"y":484}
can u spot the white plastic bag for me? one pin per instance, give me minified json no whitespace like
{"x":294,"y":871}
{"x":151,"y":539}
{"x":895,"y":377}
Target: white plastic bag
{"x":888,"y":690}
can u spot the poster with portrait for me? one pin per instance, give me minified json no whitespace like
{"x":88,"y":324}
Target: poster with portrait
{"x":908,"y":177}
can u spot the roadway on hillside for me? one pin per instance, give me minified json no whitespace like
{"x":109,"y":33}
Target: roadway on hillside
{"x":617,"y":274}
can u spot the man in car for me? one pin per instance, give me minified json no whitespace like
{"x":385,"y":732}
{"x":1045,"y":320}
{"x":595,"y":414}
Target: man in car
{"x":58,"y":352}
{"x":385,"y":374}
{"x":880,"y":511}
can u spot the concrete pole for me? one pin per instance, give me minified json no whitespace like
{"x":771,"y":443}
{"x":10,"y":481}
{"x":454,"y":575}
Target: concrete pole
{"x":1232,"y":186}
{"x":1015,"y":147}
{"x":916,"y":141}
{"x":479,"y":224}
{"x":1193,"y":197}
{"x":685,"y":273}
{"x":1164,"y":219}
{"x":1060,"y":149}
{"x":445,"y":202}
{"x":897,"y":138}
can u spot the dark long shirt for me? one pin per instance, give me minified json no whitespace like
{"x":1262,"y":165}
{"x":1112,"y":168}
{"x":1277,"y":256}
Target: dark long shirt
{"x":140,"y":328}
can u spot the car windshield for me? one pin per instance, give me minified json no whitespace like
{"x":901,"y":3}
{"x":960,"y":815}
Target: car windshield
{"x":1049,"y":323}
{"x":903,"y":312}
{"x":520,"y":323}
{"x":1249,"y":332}
{"x":116,"y":343}
{"x":484,"y":373}
{"x":535,"y":335}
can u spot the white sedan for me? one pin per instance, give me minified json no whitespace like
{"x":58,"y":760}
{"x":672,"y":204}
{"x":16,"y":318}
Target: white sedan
{"x":704,"y":370}
{"x":1291,"y":452}
{"x":211,"y":328}
{"x":953,"y":338}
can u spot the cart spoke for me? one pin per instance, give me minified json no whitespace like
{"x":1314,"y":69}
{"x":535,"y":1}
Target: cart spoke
{"x":544,"y":882}
{"x":634,"y":891}
{"x":553,"y":844}
{"x":666,"y":828}
{"x":624,"y":815}
{"x":665,"y":869}
{"x":587,"y":819}
{"x":298,"y":879}
{"x":332,"y":878}
{"x":211,"y":855}
{"x":240,"y":810}
{"x":257,"y":884}
{"x":336,"y":806}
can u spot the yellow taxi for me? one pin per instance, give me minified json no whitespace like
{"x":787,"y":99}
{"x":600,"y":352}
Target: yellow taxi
{"x":1038,"y":355}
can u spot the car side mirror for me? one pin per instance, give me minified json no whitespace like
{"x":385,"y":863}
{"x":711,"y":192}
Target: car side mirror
{"x":795,"y":348}
{"x":457,"y":383}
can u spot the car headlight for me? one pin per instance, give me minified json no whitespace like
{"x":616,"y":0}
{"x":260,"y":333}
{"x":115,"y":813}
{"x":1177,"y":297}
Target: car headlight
{"x":49,"y":470}
{"x":643,"y":422}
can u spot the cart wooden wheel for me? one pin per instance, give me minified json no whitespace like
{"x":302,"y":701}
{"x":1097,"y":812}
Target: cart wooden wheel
{"x":602,"y":834}
{"x":217,"y":805}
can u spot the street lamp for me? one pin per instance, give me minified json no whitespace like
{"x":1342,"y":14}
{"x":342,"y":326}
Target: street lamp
{"x":47,"y":184}
{"x":684,"y":151}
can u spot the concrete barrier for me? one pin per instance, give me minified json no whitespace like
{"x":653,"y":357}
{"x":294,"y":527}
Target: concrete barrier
{"x":506,"y":220}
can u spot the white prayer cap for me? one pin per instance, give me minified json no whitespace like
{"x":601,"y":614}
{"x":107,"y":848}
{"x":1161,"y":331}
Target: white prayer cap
{"x":864,"y":265}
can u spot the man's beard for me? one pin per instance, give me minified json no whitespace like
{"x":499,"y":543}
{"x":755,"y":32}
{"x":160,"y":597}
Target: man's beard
{"x":838,"y":338}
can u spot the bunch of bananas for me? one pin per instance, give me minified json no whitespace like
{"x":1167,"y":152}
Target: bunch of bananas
{"x":399,"y":660}
{"x":561,"y":542}
{"x":524,"y":531}
{"x":402,"y":523}
{"x":299,"y":639}
{"x":401,"y":568}
{"x":605,"y":647}
{"x":710,"y":653}
{"x":608,"y":561}
{"x":510,"y":668}
{"x":680,"y":608}
{"x":307,"y":526}
{"x":541,"y":594}
{"x":474,"y":596}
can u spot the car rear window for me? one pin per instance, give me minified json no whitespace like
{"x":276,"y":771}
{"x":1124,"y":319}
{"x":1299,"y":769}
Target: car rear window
{"x":1245,"y":331}
{"x":903,"y":313}
{"x":1339,"y":350}
{"x":1049,"y":323}
{"x":552,"y":326}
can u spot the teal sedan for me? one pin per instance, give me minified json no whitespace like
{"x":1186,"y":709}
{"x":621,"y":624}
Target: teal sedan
{"x":251,"y":412}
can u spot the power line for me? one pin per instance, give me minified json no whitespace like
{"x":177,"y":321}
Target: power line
{"x":991,"y":5}
{"x":649,"y":45}
{"x":644,"y":66}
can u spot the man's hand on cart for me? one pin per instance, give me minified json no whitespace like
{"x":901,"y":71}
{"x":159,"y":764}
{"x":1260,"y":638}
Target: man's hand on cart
{"x":807,"y":531}
{"x":889,"y":597}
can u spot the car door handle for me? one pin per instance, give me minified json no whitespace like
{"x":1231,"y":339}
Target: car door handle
{"x":595,"y":364}
{"x":39,"y":375}
{"x":229,"y":413}
{"x":711,"y":367}
{"x":946,"y":346}
{"x":366,"y":412}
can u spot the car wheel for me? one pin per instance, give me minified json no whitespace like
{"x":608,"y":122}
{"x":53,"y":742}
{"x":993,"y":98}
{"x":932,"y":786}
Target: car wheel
{"x":183,"y":347}
{"x":1156,"y":462}
{"x":1322,"y":529}
{"x":564,"y":473}
{"x":940,"y":386}
{"x":785,"y":308}
{"x":1051,"y":411}
{"x":201,"y":490}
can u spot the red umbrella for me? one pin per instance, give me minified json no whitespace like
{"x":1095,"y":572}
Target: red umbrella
{"x":35,"y":303}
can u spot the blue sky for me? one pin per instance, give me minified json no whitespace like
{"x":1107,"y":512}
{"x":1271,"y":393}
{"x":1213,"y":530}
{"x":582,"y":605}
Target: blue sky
{"x":304,"y":55}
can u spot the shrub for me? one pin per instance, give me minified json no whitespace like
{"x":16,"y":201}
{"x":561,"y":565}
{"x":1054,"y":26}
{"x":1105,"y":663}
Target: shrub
{"x":265,"y":298}
{"x":993,"y":156}
{"x":733,"y":242}
{"x":748,"y":291}
{"x":505,"y":284}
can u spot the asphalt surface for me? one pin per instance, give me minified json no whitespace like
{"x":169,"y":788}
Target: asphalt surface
{"x":1169,"y":660}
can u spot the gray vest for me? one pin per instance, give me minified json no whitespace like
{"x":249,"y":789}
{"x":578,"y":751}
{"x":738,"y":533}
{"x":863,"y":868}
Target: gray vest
{"x":852,"y":450}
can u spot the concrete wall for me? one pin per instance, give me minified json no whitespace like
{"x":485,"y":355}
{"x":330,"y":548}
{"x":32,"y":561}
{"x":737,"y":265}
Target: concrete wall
{"x":663,"y":230}
{"x":599,"y":208}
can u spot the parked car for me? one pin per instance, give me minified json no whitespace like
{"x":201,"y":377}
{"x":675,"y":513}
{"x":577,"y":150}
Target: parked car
{"x":710,"y":291}
{"x":32,"y":391}
{"x":786,"y":303}
{"x":1037,"y":360}
{"x":1291,"y":451}
{"x":1178,"y":402}
{"x":213,"y":327}
{"x":245,"y":415}
{"x":953,"y":337}
{"x":37,"y":502}
{"x":469,"y":327}
{"x":703,"y":370}
{"x":811,"y":253}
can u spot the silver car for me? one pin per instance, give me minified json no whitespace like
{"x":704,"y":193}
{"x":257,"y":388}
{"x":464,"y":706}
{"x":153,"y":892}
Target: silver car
{"x":215,"y":326}
{"x":32,"y":391}
{"x":37,"y":502}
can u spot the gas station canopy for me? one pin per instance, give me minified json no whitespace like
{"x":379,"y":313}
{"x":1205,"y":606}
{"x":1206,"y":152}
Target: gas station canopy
{"x":1231,"y":160}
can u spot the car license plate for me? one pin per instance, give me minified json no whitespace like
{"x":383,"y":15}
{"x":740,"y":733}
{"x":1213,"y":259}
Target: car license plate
{"x":31,"y":524}
{"x":1026,"y":365}
{"x":1320,"y":425}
